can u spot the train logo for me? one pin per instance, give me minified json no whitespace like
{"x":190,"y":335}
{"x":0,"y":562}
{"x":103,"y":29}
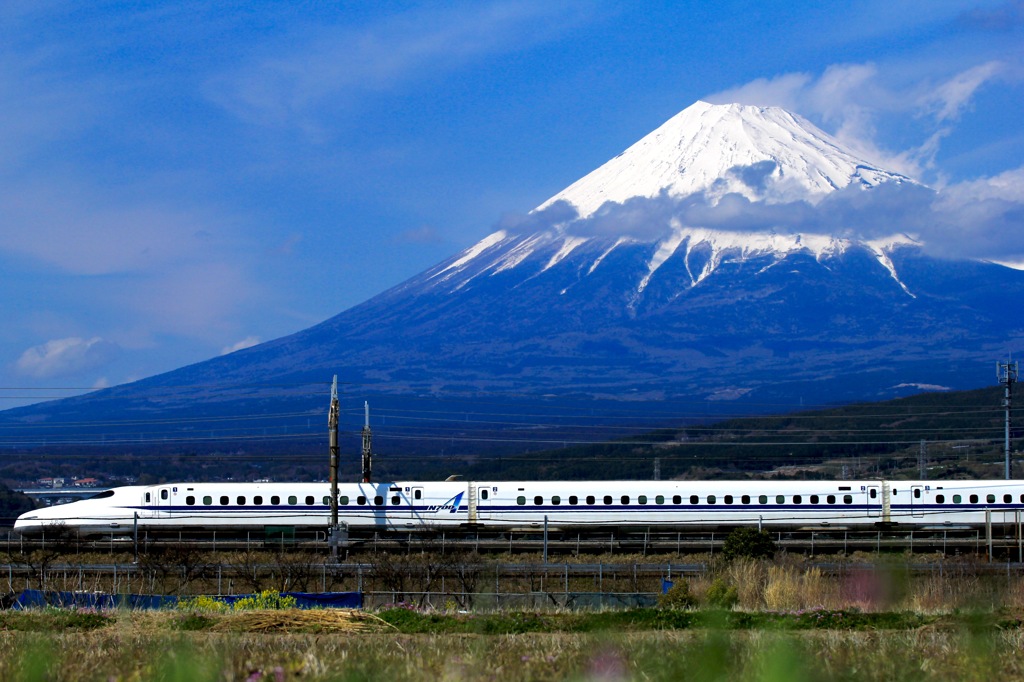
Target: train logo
{"x":451,"y":505}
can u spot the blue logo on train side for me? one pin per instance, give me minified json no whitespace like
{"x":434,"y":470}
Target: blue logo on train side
{"x":451,"y":505}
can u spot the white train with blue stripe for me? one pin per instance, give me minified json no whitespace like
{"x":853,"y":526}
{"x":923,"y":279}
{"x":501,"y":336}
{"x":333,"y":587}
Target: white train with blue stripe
{"x":504,"y":505}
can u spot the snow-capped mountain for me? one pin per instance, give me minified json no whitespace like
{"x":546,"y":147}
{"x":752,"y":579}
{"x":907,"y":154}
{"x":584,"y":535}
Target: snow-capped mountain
{"x":704,"y":157}
{"x":735,"y":254}
{"x":761,"y":153}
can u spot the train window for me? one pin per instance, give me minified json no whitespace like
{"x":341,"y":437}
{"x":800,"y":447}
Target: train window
{"x":396,"y":500}
{"x":957,"y":499}
{"x":831,"y":499}
{"x":814,"y":499}
{"x":660,"y":499}
{"x":694,"y":499}
{"x":1022,"y":498}
{"x":625,"y":499}
{"x":149,"y":497}
{"x":190,"y":500}
{"x":974,"y":499}
{"x":607,"y":499}
{"x":343,"y":500}
{"x":873,"y":493}
{"x":275,"y":500}
{"x":207,"y":499}
{"x":745,"y":499}
{"x":555,"y":499}
{"x":361,"y":500}
{"x":292,"y":499}
{"x":240,"y":499}
{"x":797,"y":499}
{"x":780,"y":499}
{"x":224,"y":499}
{"x":678,"y":499}
{"x":847,"y":499}
{"x":378,"y":500}
{"x":327,"y":499}
{"x":727,"y":499}
{"x":163,"y":494}
{"x":538,"y":500}
{"x":590,"y":499}
{"x":258,"y":499}
{"x":1007,"y":498}
{"x":573,"y":499}
{"x":521,"y":500}
{"x":940,"y":498}
{"x":310,"y":500}
{"x":711,"y":499}
{"x":990,"y":498}
{"x":642,"y":499}
{"x":917,"y":493}
{"x":417,"y":494}
{"x":763,"y":499}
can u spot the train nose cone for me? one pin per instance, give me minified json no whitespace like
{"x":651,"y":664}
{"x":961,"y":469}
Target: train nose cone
{"x":28,"y":523}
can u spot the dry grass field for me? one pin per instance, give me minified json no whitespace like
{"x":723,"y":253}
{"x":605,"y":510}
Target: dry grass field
{"x":140,"y":648}
{"x":788,"y":619}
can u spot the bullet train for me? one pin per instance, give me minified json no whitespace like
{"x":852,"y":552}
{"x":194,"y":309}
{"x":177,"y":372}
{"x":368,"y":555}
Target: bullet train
{"x":509,"y":505}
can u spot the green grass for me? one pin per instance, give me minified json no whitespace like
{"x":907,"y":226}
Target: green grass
{"x":639,"y":620}
{"x":54,"y":620}
{"x":637,"y":644}
{"x":124,"y":653}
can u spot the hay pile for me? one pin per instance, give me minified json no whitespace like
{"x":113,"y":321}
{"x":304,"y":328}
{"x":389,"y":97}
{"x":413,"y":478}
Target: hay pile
{"x":299,"y":620}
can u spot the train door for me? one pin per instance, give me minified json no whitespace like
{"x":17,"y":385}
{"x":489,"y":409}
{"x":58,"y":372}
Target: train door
{"x":416,"y":503}
{"x":874,"y":500}
{"x":163,"y":503}
{"x":917,"y":500}
{"x":484,"y":496}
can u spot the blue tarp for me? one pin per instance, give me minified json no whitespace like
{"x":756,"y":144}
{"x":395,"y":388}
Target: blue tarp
{"x":98,"y":600}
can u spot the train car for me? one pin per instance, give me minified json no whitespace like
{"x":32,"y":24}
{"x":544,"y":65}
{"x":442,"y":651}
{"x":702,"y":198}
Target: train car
{"x":504,"y":505}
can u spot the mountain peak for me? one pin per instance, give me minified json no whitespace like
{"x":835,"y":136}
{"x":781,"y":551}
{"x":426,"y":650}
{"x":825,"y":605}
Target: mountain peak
{"x":763,"y":153}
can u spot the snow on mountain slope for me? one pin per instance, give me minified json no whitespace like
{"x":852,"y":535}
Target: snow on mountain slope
{"x":783,"y":157}
{"x":764,"y":154}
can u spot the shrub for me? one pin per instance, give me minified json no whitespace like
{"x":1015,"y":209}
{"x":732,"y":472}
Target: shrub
{"x":721,"y":594}
{"x":267,"y":599}
{"x":192,"y":622}
{"x":202,"y":603}
{"x":678,"y":597}
{"x":748,"y":542}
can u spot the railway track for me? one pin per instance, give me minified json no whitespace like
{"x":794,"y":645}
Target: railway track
{"x":1004,"y":543}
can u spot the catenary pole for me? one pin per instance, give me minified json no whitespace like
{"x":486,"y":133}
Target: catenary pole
{"x":332,"y":426}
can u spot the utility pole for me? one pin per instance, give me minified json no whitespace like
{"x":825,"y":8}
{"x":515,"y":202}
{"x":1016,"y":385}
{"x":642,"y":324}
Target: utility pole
{"x":367,"y":444}
{"x":332,"y":428}
{"x":1007,"y":373}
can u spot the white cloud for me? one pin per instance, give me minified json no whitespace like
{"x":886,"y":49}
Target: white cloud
{"x":978,"y":219}
{"x":247,"y":342}
{"x":65,"y":357}
{"x":948,"y":100}
{"x":850,"y":99}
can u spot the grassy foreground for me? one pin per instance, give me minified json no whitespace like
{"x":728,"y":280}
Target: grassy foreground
{"x":409,"y":645}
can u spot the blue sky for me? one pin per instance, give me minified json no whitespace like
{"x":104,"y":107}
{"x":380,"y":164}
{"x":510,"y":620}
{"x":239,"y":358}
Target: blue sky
{"x":181,"y":179}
